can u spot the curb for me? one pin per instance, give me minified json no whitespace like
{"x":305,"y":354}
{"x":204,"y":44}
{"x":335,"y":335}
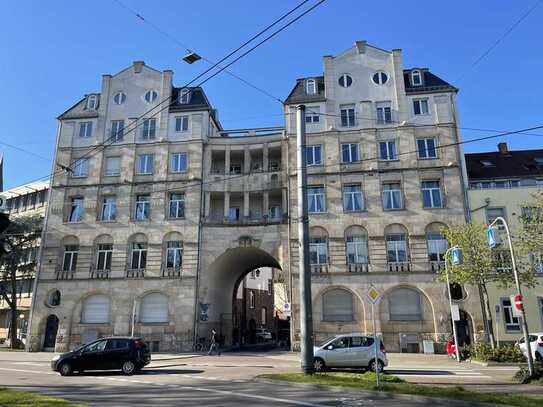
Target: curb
{"x":492,"y":364}
{"x":381,"y":395}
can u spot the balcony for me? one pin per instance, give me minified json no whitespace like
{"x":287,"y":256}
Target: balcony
{"x":263,"y":220}
{"x":171,"y":272}
{"x":99,"y":274}
{"x":399,"y":266}
{"x":358,"y":267}
{"x":65,"y":274}
{"x":437,"y":266}
{"x":319,"y":268}
{"x":135,"y":273}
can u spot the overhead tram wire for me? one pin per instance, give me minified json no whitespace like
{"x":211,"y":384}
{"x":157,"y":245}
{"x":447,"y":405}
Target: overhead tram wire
{"x":138,"y":122}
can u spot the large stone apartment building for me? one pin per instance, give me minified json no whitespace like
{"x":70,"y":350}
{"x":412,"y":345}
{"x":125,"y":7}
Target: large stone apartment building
{"x":165,"y":212}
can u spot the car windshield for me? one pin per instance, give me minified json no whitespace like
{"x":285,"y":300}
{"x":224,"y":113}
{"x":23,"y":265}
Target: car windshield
{"x":321,"y":344}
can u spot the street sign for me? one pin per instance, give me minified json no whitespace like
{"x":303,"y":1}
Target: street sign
{"x":3,"y":203}
{"x":373,"y":294}
{"x":286,"y":308}
{"x":457,"y":257}
{"x":455,"y":312}
{"x":491,"y":237}
{"x":516,"y":305}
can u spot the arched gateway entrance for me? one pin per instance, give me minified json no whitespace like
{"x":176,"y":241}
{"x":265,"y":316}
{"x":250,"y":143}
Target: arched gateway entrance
{"x":218,"y":295}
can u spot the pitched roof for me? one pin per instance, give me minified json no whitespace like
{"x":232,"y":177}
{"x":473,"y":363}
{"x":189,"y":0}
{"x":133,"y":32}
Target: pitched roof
{"x":521,"y":163}
{"x":299,"y":95}
{"x":197,"y":100}
{"x":79,"y":111}
{"x":430,"y":83}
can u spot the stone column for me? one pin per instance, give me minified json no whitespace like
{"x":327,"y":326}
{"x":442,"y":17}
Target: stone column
{"x":227,"y":160}
{"x":265,"y":162}
{"x":265,"y":203}
{"x":246,"y":205}
{"x":284,"y":201}
{"x":247,"y":161}
{"x":207,"y":204}
{"x":226,"y":204}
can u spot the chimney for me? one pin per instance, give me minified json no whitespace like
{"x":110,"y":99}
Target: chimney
{"x":138,"y":65}
{"x":502,"y":148}
{"x":361,"y":46}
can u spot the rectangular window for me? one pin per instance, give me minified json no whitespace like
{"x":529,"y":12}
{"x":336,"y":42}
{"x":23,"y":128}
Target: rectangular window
{"x":112,"y":166}
{"x":352,"y":198}
{"x":69,"y":262}
{"x":80,"y":168}
{"x":85,"y":129}
{"x":387,"y":150}
{"x":143,"y":207}
{"x":313,"y":155}
{"x":149,"y":129}
{"x":437,"y":246}
{"x":512,"y":323}
{"x":396,"y":248}
{"x":318,"y":251}
{"x":117,"y":130}
{"x":139,"y":256}
{"x":233,"y":214}
{"x":420,"y":106}
{"x":384,"y":114}
{"x":178,"y":162}
{"x":104,"y":256}
{"x":493,"y":213}
{"x":426,"y":148}
{"x":177,"y":205}
{"x":392,"y":196}
{"x":312,"y":114}
{"x":174,"y":254}
{"x":316,"y":199}
{"x":145,"y":164}
{"x":347,"y":116}
{"x":357,"y":250}
{"x":76,"y":210}
{"x":349,"y":153}
{"x":109,"y":209}
{"x":431,"y":194}
{"x":181,"y":123}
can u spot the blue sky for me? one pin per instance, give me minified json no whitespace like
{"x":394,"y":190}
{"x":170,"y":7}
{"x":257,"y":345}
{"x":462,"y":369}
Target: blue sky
{"x":53,"y":52}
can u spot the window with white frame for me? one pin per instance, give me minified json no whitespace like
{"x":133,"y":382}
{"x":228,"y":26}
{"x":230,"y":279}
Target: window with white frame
{"x":69,"y":260}
{"x":511,"y":323}
{"x":149,"y":129}
{"x":316,"y":199}
{"x":420,"y":107}
{"x":178,"y":162}
{"x":345,"y":80}
{"x":112,"y":166}
{"x":92,"y":102}
{"x":426,"y":148}
{"x":387,"y":150}
{"x":181,"y":124}
{"x":318,"y":250}
{"x":76,"y":210}
{"x":142,"y":209}
{"x":117,"y":130}
{"x":119,"y":98}
{"x":347,"y":115}
{"x":380,"y":78}
{"x":392,"y":196}
{"x":109,"y":209}
{"x":85,"y":129}
{"x":312,"y":114}
{"x":350,"y":153}
{"x":396,"y":247}
{"x":357,"y":249}
{"x":150,"y":96}
{"x":138,"y":255}
{"x":174,"y":254}
{"x":353,"y":200}
{"x":104,"y":254}
{"x":431,"y":194}
{"x":184,"y":96}
{"x":145,"y":164}
{"x":416,"y":78}
{"x":384,"y":113}
{"x":437,"y":246}
{"x":80,"y":168}
{"x":313,"y":155}
{"x":310,"y":86}
{"x":177,"y":205}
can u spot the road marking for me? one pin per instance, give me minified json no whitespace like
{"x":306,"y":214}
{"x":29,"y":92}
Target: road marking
{"x":30,"y":363}
{"x":27,"y":371}
{"x":441,"y":376}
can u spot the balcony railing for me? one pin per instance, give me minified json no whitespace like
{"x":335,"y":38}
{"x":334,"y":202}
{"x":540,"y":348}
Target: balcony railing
{"x":65,"y":274}
{"x":99,"y":273}
{"x":357,"y":267}
{"x":399,"y":266}
{"x":319,"y":268}
{"x":263,"y":220}
{"x":436,"y":266}
{"x":135,"y":273}
{"x":171,"y":272}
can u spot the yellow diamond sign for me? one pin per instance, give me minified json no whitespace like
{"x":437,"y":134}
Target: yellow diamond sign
{"x":373,"y":294}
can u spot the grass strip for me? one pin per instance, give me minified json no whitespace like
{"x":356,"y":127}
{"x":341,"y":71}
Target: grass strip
{"x":393,"y":384}
{"x":18,"y":398}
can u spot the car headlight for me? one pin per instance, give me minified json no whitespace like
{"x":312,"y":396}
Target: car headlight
{"x":57,"y":357}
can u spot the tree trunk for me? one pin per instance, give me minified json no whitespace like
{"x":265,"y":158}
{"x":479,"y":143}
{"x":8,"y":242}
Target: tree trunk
{"x":13,"y":331}
{"x":487,"y":314}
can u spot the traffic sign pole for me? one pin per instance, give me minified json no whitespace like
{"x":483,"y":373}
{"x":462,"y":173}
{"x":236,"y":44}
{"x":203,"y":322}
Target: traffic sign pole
{"x":458,"y":260}
{"x":374,"y":295}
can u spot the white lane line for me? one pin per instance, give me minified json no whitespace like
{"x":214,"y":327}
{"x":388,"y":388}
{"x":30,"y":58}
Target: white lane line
{"x":27,"y":371}
{"x":440,"y":376}
{"x":30,"y":363}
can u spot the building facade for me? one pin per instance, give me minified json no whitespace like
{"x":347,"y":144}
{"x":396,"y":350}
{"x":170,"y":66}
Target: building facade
{"x":165,"y":212}
{"x":502,"y":183}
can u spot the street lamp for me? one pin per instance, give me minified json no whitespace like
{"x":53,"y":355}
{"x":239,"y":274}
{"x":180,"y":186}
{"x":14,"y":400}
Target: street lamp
{"x":492,"y":243}
{"x":456,"y":259}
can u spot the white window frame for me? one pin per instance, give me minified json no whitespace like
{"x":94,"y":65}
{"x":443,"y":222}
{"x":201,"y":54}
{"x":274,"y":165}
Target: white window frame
{"x":508,"y":309}
{"x":311,"y":152}
{"x":149,"y":129}
{"x":91,"y":102}
{"x":76,"y":210}
{"x":174,"y":251}
{"x":69,"y":258}
{"x":349,"y":198}
{"x":141,"y":253}
{"x":436,"y":245}
{"x":85,"y":129}
{"x":391,"y":151}
{"x":176,"y":159}
{"x":380,"y":78}
{"x":426,"y":150}
{"x":104,"y":255}
{"x":316,"y":198}
{"x":423,"y":107}
{"x":417,"y":74}
{"x":312,"y":114}
{"x":318,"y":246}
{"x":145,"y":164}
{"x":119,"y":98}
{"x":353,"y":152}
{"x":431,"y":190}
{"x":117,"y":130}
{"x":357,"y":248}
{"x":142,"y":207}
{"x":383,"y":113}
{"x":177,"y":205}
{"x":80,"y":168}
{"x":182,"y":124}
{"x":347,"y":115}
{"x":392,"y":192}
{"x":397,"y":246}
{"x":345,"y":77}
{"x":308,"y":84}
{"x":108,"y":171}
{"x":109,"y":209}
{"x":184,"y":96}
{"x":150,"y":96}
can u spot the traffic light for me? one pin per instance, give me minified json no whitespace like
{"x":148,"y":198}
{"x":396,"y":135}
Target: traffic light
{"x":4,"y":222}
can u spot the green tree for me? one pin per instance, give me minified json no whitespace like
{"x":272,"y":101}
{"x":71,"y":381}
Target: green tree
{"x":17,"y":242}
{"x":482,"y":265}
{"x":529,"y":236}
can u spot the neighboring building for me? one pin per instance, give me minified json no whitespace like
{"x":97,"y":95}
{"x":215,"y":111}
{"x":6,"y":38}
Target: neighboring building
{"x":153,"y":233}
{"x":25,"y":200}
{"x":501,"y":183}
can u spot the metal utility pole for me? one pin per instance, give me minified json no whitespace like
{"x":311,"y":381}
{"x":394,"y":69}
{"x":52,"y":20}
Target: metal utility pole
{"x":304,"y":271}
{"x":453,"y":321}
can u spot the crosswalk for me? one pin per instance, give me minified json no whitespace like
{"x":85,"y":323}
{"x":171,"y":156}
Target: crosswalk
{"x":437,"y":373}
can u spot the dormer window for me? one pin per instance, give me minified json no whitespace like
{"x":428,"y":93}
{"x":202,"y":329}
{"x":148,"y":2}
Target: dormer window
{"x":310,"y":87}
{"x":150,"y":96}
{"x":416,"y":78}
{"x":184,"y":96}
{"x":92,"y":102}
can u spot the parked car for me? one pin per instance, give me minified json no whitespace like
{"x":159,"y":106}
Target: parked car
{"x":127,"y":354}
{"x":263,"y":335}
{"x":536,"y":345}
{"x":349,"y":351}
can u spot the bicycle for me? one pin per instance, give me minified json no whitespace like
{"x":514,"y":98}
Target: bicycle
{"x":201,"y":345}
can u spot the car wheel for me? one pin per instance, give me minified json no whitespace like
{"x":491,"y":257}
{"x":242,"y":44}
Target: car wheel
{"x":65,"y":369}
{"x":128,"y":367}
{"x":376,"y":367}
{"x":319,"y":365}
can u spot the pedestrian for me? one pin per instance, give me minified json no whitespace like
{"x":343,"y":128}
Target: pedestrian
{"x":214,"y":345}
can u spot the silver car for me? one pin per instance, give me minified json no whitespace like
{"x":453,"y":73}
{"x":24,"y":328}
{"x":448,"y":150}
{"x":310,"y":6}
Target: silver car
{"x":350,"y":351}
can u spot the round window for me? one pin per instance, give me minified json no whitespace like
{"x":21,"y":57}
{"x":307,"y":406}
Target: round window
{"x":345,"y":80}
{"x":150,"y":96}
{"x":119,"y":98}
{"x":54,"y":298}
{"x":380,"y":78}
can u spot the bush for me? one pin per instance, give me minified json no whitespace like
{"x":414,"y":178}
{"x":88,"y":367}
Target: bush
{"x":504,"y":354}
{"x":523,"y":375}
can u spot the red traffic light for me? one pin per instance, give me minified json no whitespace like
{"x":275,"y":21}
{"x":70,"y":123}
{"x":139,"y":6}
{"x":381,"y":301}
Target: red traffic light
{"x":518,"y":302}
